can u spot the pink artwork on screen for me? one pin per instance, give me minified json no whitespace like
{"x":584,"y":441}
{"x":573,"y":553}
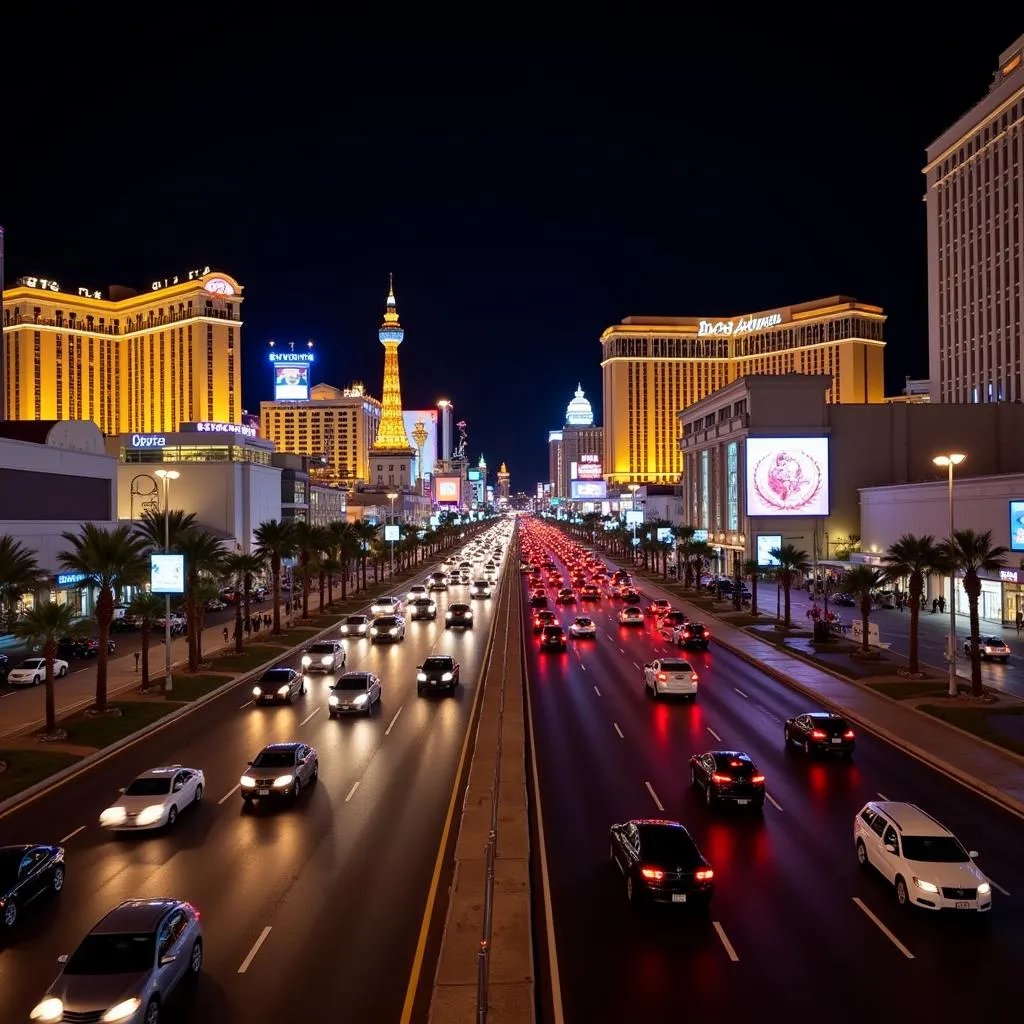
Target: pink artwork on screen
{"x":789,"y":480}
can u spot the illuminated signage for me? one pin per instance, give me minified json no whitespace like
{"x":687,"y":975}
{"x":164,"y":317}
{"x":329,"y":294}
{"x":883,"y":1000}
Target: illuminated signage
{"x":592,"y":490}
{"x":664,"y":534}
{"x":700,"y":536}
{"x":766,"y":544}
{"x":787,"y":476}
{"x":48,"y":285}
{"x":291,"y":382}
{"x":447,"y":490}
{"x":70,"y":579}
{"x":741,"y":326}
{"x":167,"y":574}
{"x":392,"y":532}
{"x":219,"y":286}
{"x":207,"y":426}
{"x":1009,"y":575}
{"x":473,"y":474}
{"x":1017,"y":525}
{"x":589,"y":468}
{"x":149,"y":441}
{"x":292,"y":357}
{"x":170,"y":282}
{"x":634,"y":517}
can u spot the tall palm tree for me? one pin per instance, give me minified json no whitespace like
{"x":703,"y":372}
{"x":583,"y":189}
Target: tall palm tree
{"x":789,"y":561}
{"x":971,"y":553}
{"x":109,"y":560}
{"x":701,"y":554}
{"x":151,"y":526}
{"x":861,"y":582}
{"x":19,"y":575}
{"x":147,"y":608}
{"x":346,"y":547}
{"x":682,"y":537}
{"x":275,"y":541}
{"x":753,"y":570}
{"x":366,"y":534}
{"x":913,"y":558}
{"x":307,"y":546}
{"x":205,"y":590}
{"x":243,"y":570}
{"x":204,"y":558}
{"x":46,"y":623}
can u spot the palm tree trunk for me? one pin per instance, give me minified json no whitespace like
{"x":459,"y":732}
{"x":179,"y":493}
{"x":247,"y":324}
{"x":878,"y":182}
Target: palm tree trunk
{"x":753,"y":594}
{"x":146,"y":627}
{"x":51,"y":703}
{"x":786,"y":584}
{"x":344,"y":579}
{"x":201,"y":624}
{"x":104,"y":616}
{"x":241,"y":616}
{"x":322,"y":584}
{"x":915,"y":611}
{"x":973,"y":587}
{"x":330,"y":588}
{"x":275,"y":575}
{"x":865,"y":613}
{"x":192,"y":628}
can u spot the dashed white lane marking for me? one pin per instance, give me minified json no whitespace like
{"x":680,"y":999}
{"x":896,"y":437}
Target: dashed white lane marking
{"x":741,"y":693}
{"x":229,"y":794}
{"x":241,"y":707}
{"x":725,"y":942}
{"x":309,"y":716}
{"x":81,"y":828}
{"x":636,"y":666}
{"x":597,"y":691}
{"x":352,"y":791}
{"x":884,"y":797}
{"x":718,"y":739}
{"x":610,"y":637}
{"x":654,"y":797}
{"x":621,"y":651}
{"x":882,"y":928}
{"x":255,"y":949}
{"x":775,"y":803}
{"x":619,"y":731}
{"x":387,"y":731}
{"x":582,"y":666}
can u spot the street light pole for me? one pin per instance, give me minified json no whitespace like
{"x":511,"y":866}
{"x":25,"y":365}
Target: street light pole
{"x":948,"y":462}
{"x":633,"y":488}
{"x":391,"y":497}
{"x":166,"y":476}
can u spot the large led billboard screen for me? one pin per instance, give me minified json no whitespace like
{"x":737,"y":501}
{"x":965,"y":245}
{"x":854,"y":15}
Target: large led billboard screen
{"x":588,"y":490}
{"x":1017,"y":525}
{"x":766,"y":544}
{"x":430,"y":454}
{"x":447,"y":490}
{"x":787,"y":476}
{"x":588,"y":468}
{"x":291,"y":382}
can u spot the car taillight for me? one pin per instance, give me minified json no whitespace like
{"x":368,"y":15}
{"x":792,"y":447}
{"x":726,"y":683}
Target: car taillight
{"x":721,"y":778}
{"x":662,"y":676}
{"x":707,"y":633}
{"x":817,"y":734}
{"x":654,"y":874}
{"x":704,"y":875}
{"x":693,"y":677}
{"x":686,"y":634}
{"x":848,"y":735}
{"x":757,"y":778}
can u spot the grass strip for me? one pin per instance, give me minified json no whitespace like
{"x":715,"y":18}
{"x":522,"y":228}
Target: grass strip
{"x":981,"y":722}
{"x":27,"y":767}
{"x":101,"y":730}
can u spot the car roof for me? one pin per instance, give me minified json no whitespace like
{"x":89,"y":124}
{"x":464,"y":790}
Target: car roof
{"x":155,"y":773}
{"x":363,"y":618}
{"x":438,"y":657}
{"x":386,"y":618}
{"x":290,"y":745}
{"x":725,"y":756}
{"x":458,"y":604}
{"x":553,"y":627}
{"x":135,"y":916}
{"x":909,"y":818}
{"x":823,"y":716}
{"x":277,"y":668}
{"x":355,"y":675}
{"x":642,"y":823}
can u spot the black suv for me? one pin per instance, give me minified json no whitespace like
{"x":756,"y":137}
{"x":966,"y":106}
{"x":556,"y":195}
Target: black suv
{"x":438,"y":672}
{"x":693,"y":635}
{"x":460,"y":615}
{"x":553,"y":639}
{"x":422,"y":608}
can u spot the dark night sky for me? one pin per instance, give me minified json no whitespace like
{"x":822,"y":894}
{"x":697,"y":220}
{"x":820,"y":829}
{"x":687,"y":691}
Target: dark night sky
{"x":525,"y":199}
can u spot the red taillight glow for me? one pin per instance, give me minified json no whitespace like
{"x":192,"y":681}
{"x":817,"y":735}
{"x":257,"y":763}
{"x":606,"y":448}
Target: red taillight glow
{"x":654,"y":874}
{"x":817,"y":734}
{"x":721,"y":778}
{"x":757,"y":778}
{"x":707,"y":633}
{"x":686,"y":634}
{"x":662,"y":677}
{"x":848,"y":735}
{"x":704,"y":875}
{"x":693,"y":677}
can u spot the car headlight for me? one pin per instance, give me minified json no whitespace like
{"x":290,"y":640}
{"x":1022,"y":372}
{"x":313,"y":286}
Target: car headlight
{"x":333,"y":700}
{"x":393,"y":631}
{"x":421,"y":677}
{"x":373,"y":630}
{"x":257,"y":692}
{"x":327,"y":659}
{"x":283,"y":780}
{"x":49,"y":1010}
{"x":362,"y":628}
{"x":122,"y":1010}
{"x":984,"y":889}
{"x":150,"y":814}
{"x":447,"y":677}
{"x":432,"y":607}
{"x":306,"y":660}
{"x":926,"y":886}
{"x":361,"y":699}
{"x":246,"y":782}
{"x":447,"y":615}
{"x":283,"y":691}
{"x":113,"y":816}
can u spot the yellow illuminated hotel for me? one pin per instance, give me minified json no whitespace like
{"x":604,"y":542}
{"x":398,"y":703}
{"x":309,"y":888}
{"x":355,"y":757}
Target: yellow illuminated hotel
{"x":131,"y":361}
{"x":654,"y":367}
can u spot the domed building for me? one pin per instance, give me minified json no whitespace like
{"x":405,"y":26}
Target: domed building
{"x":576,"y":452}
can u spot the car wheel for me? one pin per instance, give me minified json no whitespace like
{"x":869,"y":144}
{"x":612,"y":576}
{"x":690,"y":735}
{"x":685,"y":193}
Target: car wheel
{"x":195,"y":961}
{"x":172,"y":817}
{"x":57,"y":882}
{"x":316,"y":773}
{"x":862,"y":854}
{"x":199,"y":794}
{"x":152,"y":1012}
{"x":693,"y":778}
{"x":902,"y":895}
{"x":10,"y":913}
{"x":297,"y":790}
{"x":302,"y":690}
{"x":63,"y":670}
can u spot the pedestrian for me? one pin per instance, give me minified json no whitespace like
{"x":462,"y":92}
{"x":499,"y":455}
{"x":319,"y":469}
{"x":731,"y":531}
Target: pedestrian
{"x":935,"y":605}
{"x":942,"y":605}
{"x":1020,"y":621}
{"x":139,"y":655}
{"x":248,"y":628}
{"x":225,"y":634}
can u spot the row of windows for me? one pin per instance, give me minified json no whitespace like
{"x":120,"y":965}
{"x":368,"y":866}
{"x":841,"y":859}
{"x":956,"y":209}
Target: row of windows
{"x":140,"y":323}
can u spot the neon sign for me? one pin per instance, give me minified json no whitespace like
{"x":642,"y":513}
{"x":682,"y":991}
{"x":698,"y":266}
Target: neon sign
{"x":741,"y":326}
{"x":48,"y":285}
{"x":225,"y":428}
{"x":290,"y":358}
{"x":170,"y":282}
{"x":149,"y":441}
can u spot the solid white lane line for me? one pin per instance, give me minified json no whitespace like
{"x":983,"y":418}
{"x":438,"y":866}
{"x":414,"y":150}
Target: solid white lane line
{"x":81,"y":828}
{"x":352,"y":791}
{"x":387,"y":731}
{"x":741,"y":693}
{"x":255,"y":949}
{"x":992,"y":882}
{"x":617,"y":729}
{"x":654,"y":797}
{"x":621,"y":651}
{"x":775,"y":803}
{"x":245,"y":705}
{"x":309,"y":716}
{"x":597,"y":691}
{"x":636,"y":666}
{"x":229,"y":794}
{"x":610,"y":637}
{"x":882,"y":928}
{"x":718,"y":739}
{"x":725,"y":942}
{"x":884,"y":797}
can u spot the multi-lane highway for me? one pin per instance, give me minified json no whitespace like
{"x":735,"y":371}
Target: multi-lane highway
{"x":795,"y":927}
{"x":311,"y":911}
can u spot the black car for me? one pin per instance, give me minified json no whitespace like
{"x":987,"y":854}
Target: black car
{"x":543,"y":618}
{"x":438,"y":672}
{"x":552,"y":638}
{"x":277,"y":686}
{"x":694,"y":635}
{"x":5,"y":667}
{"x":539,"y":601}
{"x":661,"y":863}
{"x":820,"y":732}
{"x":458,"y":615}
{"x":565,"y":596}
{"x":727,"y":776}
{"x":421,"y":608}
{"x":27,"y":872}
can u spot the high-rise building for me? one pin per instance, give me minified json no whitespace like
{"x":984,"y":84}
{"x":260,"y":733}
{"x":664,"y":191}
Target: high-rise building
{"x":429,"y":418}
{"x":504,"y":490}
{"x":335,"y":424}
{"x":974,"y":195}
{"x":579,"y":437}
{"x":655,"y":367}
{"x":131,"y":362}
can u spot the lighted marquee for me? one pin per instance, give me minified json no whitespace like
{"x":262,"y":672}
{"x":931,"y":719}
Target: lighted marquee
{"x":291,"y":375}
{"x":589,"y":468}
{"x":787,"y":476}
{"x":1017,"y":525}
{"x":447,"y":490}
{"x":588,"y":490}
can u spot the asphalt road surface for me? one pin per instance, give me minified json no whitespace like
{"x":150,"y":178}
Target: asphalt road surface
{"x":795,"y":925}
{"x":311,"y":911}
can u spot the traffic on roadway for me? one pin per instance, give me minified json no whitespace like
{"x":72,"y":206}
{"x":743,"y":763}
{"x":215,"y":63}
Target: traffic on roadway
{"x":714,"y":846}
{"x":259,"y":862}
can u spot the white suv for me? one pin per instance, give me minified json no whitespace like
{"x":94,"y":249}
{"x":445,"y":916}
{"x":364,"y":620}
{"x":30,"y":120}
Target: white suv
{"x":922,"y":859}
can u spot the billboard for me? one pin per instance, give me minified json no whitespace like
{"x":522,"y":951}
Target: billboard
{"x":766,"y":543}
{"x":588,"y":468}
{"x":447,"y":490}
{"x":473,"y":475}
{"x":634,"y":517}
{"x":291,"y":383}
{"x":1017,"y":525}
{"x":167,"y":574}
{"x":700,"y":535}
{"x":664,"y":534}
{"x":787,"y":476}
{"x":392,"y":532}
{"x":410,"y":417}
{"x":591,"y":490}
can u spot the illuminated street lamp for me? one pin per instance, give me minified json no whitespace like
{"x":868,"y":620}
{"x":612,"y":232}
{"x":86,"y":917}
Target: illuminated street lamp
{"x":392,"y":495}
{"x":166,"y":476}
{"x":633,"y":488}
{"x":948,"y":462}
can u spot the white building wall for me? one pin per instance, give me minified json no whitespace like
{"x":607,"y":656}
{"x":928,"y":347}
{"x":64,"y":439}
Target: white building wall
{"x":46,"y":538}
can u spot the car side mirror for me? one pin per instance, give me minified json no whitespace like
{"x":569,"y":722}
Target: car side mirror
{"x":121,"y":790}
{"x":249,"y":763}
{"x":63,"y":959}
{"x":973,"y":854}
{"x":167,"y":958}
{"x":890,"y":848}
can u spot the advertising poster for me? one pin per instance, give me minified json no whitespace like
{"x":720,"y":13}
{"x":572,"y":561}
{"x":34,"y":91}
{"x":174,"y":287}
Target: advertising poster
{"x":787,"y":476}
{"x":291,"y":383}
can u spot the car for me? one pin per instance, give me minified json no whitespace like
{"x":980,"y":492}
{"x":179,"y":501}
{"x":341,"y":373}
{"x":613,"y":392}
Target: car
{"x":437,"y":581}
{"x":5,"y":667}
{"x":355,"y":625}
{"x":438,"y":672}
{"x":324,"y":656}
{"x":672,"y":621}
{"x":820,"y":732}
{"x":420,"y":608}
{"x":661,"y":863}
{"x":480,"y":588}
{"x":590,"y":592}
{"x":32,"y":671}
{"x":844,"y":600}
{"x":278,"y":685}
{"x":215,"y":604}
{"x":354,"y":692}
{"x":658,"y":607}
{"x":279,"y":770}
{"x":992,"y":647}
{"x":924,"y":861}
{"x":565,"y":596}
{"x":630,"y":595}
{"x":552,"y":638}
{"x":727,"y":776}
{"x":128,"y":965}
{"x":390,"y":628}
{"x":538,"y":600}
{"x":26,"y":873}
{"x":670,"y":677}
{"x":693,"y":635}
{"x":415,"y":591}
{"x":583,"y":628}
{"x":154,"y":799}
{"x":386,"y":606}
{"x":543,"y":618}
{"x":458,"y":615}
{"x":631,"y":616}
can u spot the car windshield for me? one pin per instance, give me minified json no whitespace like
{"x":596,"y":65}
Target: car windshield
{"x":675,"y":666}
{"x":633,"y":611}
{"x":992,"y":641}
{"x":736,"y":767}
{"x":274,"y":759}
{"x":276,"y":675}
{"x":663,"y":844}
{"x":584,"y":622}
{"x":321,"y":649}
{"x":355,"y":620}
{"x":113,"y":954}
{"x":149,"y":787}
{"x":459,"y":608}
{"x":437,"y":664}
{"x":9,"y":863}
{"x":351,"y":682}
{"x":32,"y":663}
{"x":937,"y":849}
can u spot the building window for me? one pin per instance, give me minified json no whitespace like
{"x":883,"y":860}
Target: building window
{"x":60,"y":377}
{"x":209,"y":371}
{"x":231,"y":375}
{"x":37,"y":371}
{"x":732,"y":486}
{"x":705,"y":489}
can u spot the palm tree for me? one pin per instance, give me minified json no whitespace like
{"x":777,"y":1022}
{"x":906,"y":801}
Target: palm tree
{"x":46,"y":623}
{"x":346,"y":545}
{"x":205,"y":590}
{"x":242,"y":569}
{"x":151,"y":526}
{"x":789,"y":560}
{"x":681,"y":537}
{"x":701,"y":554}
{"x":275,"y":541}
{"x":972,"y":553}
{"x":307,"y":546}
{"x":204,"y":557}
{"x":108,"y":560}
{"x":147,"y":608}
{"x":861,"y":582}
{"x":753,"y":570}
{"x":913,"y":558}
{"x":366,"y":533}
{"x":19,"y":575}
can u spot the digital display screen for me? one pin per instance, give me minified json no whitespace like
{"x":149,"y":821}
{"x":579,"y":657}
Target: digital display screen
{"x":590,"y":489}
{"x":1017,"y":525}
{"x":167,"y":574}
{"x":766,"y":543}
{"x":447,"y":490}
{"x":787,"y":476}
{"x":291,"y":383}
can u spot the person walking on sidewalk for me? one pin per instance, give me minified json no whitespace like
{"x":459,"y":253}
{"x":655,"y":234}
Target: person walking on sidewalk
{"x":138,"y":654}
{"x":1020,"y":620}
{"x":225,"y":635}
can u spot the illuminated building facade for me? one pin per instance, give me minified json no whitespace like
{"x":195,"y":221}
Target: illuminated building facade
{"x":338,"y":424}
{"x":655,"y":367}
{"x":504,"y":488}
{"x":128,"y":361}
{"x":973,"y":199}
{"x":429,"y":449}
{"x":579,"y":437}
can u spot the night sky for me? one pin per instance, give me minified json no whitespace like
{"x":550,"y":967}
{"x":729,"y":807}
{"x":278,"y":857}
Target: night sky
{"x":524,"y":199}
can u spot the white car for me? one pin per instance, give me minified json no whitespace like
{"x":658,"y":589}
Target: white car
{"x":324,"y":656}
{"x":583,"y":627}
{"x":631,"y":616}
{"x":924,"y":860}
{"x":386,"y":606}
{"x":355,"y":625}
{"x":416,"y":590}
{"x":480,"y":588}
{"x":669,"y":677}
{"x":32,"y":671}
{"x":155,"y":799}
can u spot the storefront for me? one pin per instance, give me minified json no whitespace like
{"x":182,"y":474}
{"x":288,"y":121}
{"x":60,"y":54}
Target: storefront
{"x":69,"y":590}
{"x":992,"y":602}
{"x":1013,"y":593}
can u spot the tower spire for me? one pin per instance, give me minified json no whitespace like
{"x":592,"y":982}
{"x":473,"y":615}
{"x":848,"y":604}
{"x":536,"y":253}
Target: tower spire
{"x":391,"y":435}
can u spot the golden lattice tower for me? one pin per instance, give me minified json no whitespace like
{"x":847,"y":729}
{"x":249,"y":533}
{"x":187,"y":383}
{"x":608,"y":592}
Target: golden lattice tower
{"x":504,"y":478}
{"x":391,"y":435}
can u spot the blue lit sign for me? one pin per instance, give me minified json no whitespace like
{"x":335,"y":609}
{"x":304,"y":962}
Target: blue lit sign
{"x":1017,"y":525}
{"x":70,"y":579}
{"x":148,"y":441}
{"x":291,"y":357}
